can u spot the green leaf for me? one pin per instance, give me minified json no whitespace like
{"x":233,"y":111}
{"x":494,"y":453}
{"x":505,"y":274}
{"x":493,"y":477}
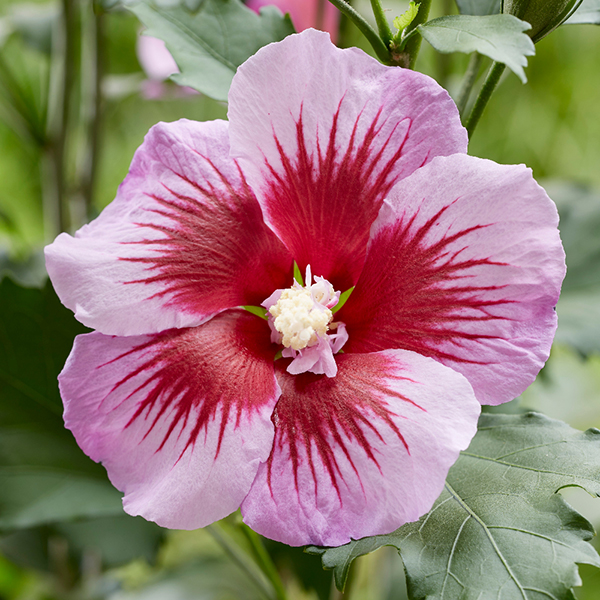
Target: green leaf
{"x":298,"y":274}
{"x":35,"y":24}
{"x":499,"y":530}
{"x":114,"y":541}
{"x":579,"y":305}
{"x":588,"y":13}
{"x":500,"y":37}
{"x":44,"y":476}
{"x":117,"y":540}
{"x":479,"y":7}
{"x":407,"y":17}
{"x":210,"y":44}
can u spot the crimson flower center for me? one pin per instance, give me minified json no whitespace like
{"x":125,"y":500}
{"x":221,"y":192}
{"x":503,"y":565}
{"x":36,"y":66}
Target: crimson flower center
{"x":301,"y":319}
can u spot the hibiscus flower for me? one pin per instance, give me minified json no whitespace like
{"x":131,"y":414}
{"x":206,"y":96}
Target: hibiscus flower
{"x":305,"y":13}
{"x":214,"y":382}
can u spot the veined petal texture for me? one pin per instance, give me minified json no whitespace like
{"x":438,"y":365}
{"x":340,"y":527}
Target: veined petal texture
{"x":464,"y":265}
{"x":181,"y":420}
{"x":322,"y":134}
{"x":183,"y":240}
{"x":361,"y":453}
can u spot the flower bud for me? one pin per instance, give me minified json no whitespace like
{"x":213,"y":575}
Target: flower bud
{"x":544,"y":16}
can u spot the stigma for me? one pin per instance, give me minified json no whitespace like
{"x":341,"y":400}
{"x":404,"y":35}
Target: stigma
{"x":301,"y":319}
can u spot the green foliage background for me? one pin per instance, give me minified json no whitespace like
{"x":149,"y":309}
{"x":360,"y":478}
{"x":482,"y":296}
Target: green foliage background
{"x":552,"y":124}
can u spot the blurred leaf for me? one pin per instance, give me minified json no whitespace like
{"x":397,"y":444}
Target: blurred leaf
{"x":479,"y":7}
{"x":579,"y":305}
{"x":23,"y":94}
{"x":210,"y":44}
{"x":6,"y":28}
{"x":567,"y":375}
{"x":587,"y":13}
{"x":499,"y":530}
{"x":35,"y":24}
{"x":44,"y":476}
{"x":113,"y":541}
{"x":116,"y":540}
{"x":304,"y":566}
{"x":29,"y":271}
{"x":579,"y":320}
{"x":205,"y":579}
{"x":500,"y":37}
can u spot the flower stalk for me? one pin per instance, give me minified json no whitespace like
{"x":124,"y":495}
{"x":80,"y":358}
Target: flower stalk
{"x":94,"y":73}
{"x":413,"y":37}
{"x":264,"y":561}
{"x":365,"y":28}
{"x":484,"y":96}
{"x":241,"y":559}
{"x":468,"y":82}
{"x":384,"y":29}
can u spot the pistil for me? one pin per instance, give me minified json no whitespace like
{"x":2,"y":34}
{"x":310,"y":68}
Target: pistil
{"x":300,"y":319}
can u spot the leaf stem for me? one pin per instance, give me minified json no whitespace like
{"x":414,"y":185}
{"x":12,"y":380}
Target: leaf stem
{"x":372,"y":36}
{"x":468,"y":82}
{"x":385,"y":33}
{"x":241,"y":559}
{"x":264,"y":561}
{"x":411,"y":50}
{"x":95,"y":113}
{"x":485,"y":94}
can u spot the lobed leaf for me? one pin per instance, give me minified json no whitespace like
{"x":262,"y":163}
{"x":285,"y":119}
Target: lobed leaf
{"x":499,"y":530}
{"x":210,"y":43}
{"x":500,"y":37}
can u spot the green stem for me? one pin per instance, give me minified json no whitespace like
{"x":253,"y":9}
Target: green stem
{"x":468,"y":82}
{"x":484,"y":96}
{"x":264,"y":561}
{"x":240,"y":558}
{"x":59,"y":137}
{"x":411,"y":50}
{"x":372,"y":36}
{"x":94,"y":124}
{"x":385,"y":33}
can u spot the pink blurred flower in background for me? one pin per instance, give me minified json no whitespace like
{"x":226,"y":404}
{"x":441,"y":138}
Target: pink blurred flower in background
{"x":319,"y":14}
{"x":159,"y":65}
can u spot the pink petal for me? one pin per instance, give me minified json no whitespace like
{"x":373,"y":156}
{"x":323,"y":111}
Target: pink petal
{"x":183,"y":240}
{"x":154,"y":58}
{"x":180,"y":420}
{"x":305,"y":13}
{"x":362,"y":453}
{"x":323,"y":134}
{"x":465,"y":265}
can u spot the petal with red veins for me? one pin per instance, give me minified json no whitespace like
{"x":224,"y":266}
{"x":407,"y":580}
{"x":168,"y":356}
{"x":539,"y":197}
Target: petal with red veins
{"x":361,"y":453}
{"x":183,"y":240}
{"x":323,"y":134}
{"x":181,"y":420}
{"x":464,"y":265}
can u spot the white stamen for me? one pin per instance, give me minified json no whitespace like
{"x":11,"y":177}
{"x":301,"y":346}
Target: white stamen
{"x":300,"y":318}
